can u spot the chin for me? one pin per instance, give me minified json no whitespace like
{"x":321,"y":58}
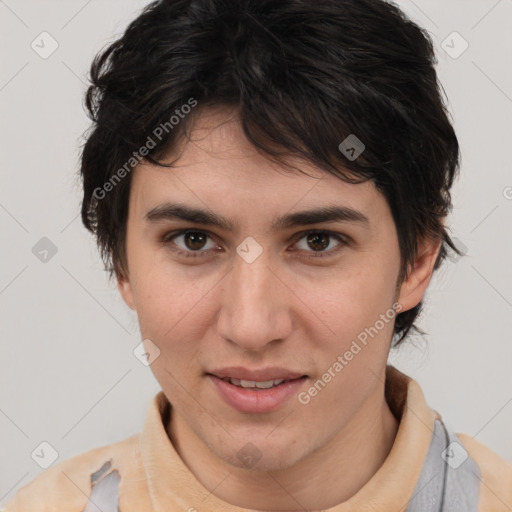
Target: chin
{"x":259,"y":454}
{"x":264,"y":464}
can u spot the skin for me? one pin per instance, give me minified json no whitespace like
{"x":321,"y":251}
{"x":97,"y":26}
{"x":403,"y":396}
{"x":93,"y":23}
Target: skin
{"x":287,"y":308}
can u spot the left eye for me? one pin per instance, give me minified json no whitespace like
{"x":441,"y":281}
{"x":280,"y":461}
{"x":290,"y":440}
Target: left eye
{"x":319,"y":241}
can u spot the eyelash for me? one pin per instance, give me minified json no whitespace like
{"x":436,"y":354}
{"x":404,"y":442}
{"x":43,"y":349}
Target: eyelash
{"x":198,"y":254}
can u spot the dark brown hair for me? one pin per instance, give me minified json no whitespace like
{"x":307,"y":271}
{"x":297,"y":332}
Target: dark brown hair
{"x":302,"y":75}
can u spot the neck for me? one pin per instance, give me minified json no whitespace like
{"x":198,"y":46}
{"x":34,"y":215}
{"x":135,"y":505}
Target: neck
{"x":325,"y":478}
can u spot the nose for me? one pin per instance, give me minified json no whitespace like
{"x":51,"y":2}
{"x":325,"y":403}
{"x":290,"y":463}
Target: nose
{"x":255,"y":307}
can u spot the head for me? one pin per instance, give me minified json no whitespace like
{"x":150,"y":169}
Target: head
{"x":253,"y":111}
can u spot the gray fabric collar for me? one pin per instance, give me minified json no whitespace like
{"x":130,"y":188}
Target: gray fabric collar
{"x":450,"y":478}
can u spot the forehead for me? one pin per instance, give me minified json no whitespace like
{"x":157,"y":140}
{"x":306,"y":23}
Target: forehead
{"x":217,"y":165}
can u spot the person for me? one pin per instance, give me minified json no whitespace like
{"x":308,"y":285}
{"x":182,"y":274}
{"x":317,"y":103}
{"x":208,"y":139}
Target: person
{"x":269,"y":182}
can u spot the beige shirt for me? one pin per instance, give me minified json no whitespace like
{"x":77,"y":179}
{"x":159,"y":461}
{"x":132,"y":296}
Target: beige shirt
{"x":429,"y":468}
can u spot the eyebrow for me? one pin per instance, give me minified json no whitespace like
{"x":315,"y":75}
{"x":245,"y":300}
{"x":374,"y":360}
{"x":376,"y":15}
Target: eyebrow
{"x":169,"y":211}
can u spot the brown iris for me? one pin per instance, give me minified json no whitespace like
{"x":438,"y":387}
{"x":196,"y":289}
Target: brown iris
{"x":318,"y":241}
{"x":195,"y":240}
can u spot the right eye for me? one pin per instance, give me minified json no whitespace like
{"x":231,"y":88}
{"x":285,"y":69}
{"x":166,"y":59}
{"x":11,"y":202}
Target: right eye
{"x":192,"y":243}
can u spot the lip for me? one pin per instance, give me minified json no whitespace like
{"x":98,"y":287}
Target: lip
{"x":260,"y":375}
{"x":252,"y":401}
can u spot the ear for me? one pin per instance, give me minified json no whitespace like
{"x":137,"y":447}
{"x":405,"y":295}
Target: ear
{"x":125,"y":289}
{"x":416,"y":282}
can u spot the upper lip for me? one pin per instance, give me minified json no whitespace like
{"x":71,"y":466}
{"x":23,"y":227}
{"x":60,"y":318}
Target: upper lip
{"x":257,"y":375}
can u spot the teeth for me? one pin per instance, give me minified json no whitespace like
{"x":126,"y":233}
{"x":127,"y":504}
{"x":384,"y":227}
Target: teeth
{"x":253,"y":384}
{"x":268,"y":383}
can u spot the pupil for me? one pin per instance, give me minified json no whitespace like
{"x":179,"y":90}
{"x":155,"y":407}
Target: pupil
{"x":319,"y":238}
{"x":194,"y":237}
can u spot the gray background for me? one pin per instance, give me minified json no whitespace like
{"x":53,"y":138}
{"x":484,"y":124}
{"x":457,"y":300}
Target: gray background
{"x":68,"y":374}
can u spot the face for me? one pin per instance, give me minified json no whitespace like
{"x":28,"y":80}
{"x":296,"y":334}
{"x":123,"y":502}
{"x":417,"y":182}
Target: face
{"x":251,"y":290}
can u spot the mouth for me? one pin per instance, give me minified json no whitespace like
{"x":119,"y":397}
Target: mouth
{"x":257,"y":385}
{"x":257,"y":396}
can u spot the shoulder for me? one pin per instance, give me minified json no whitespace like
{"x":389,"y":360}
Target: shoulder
{"x":495,"y":478}
{"x":68,"y":485}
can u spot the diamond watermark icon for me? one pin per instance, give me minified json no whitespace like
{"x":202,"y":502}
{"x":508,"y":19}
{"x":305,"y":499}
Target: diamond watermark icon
{"x":463,"y":249}
{"x":249,"y":455}
{"x":44,"y":250}
{"x":44,"y":45}
{"x":44,"y":455}
{"x":454,"y":455}
{"x":351,"y":147}
{"x":454,"y":45}
{"x":249,"y":249}
{"x":146,"y":352}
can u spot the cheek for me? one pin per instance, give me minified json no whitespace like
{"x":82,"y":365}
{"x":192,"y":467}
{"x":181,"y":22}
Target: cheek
{"x":350,"y":302}
{"x":172,"y":304}
{"x":358,"y":308}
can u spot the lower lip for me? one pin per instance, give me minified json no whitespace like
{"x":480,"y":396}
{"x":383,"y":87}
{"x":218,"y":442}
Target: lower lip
{"x":257,"y":401}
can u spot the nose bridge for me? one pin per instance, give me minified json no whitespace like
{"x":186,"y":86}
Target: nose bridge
{"x":254,"y":310}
